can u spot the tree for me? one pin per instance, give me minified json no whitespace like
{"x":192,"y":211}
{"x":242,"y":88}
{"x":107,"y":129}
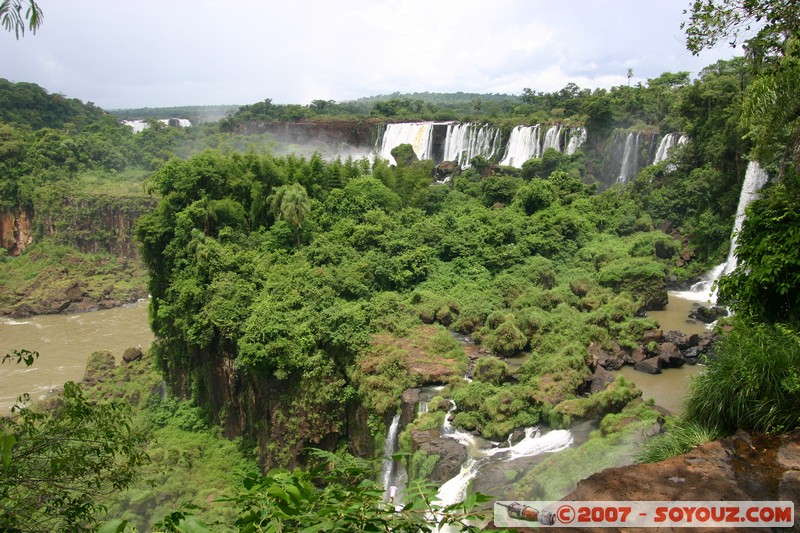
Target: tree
{"x":291,"y":203}
{"x":13,"y":19}
{"x":713,"y":20}
{"x":55,"y":462}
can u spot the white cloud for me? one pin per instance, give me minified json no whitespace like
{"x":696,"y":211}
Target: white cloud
{"x":182,"y":52}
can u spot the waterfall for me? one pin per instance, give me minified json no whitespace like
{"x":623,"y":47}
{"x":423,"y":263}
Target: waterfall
{"x":141,"y":125}
{"x":630,"y":158}
{"x":577,"y":136}
{"x":552,"y":138}
{"x":534,"y":443}
{"x":465,"y":141}
{"x":417,"y":134}
{"x":389,"y":467}
{"x":754,"y":179}
{"x":523,"y":144}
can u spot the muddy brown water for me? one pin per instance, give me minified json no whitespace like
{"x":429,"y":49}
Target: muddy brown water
{"x":64,"y":343}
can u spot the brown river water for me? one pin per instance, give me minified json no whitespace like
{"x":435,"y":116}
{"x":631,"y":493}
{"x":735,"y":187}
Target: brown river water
{"x":64,"y":343}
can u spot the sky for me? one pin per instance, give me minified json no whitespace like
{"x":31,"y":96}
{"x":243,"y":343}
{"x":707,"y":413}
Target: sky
{"x":145,"y":53}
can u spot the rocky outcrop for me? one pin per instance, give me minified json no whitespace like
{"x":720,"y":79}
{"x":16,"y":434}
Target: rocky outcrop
{"x":739,"y":468}
{"x":15,"y":231}
{"x":451,"y":454}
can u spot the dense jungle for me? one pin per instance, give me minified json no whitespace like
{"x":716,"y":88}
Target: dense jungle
{"x":308,"y":293}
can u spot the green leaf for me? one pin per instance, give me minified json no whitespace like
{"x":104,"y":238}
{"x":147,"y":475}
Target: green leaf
{"x":192,"y":524}
{"x":113,"y":526}
{"x":7,"y":444}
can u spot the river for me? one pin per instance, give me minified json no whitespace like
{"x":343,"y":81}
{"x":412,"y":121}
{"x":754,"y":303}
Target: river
{"x":64,"y":343}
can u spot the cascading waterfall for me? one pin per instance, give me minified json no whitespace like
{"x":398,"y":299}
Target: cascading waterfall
{"x":668,"y":142}
{"x":523,"y":144}
{"x":417,"y":134}
{"x":389,"y":475}
{"x":465,"y":141}
{"x":754,"y":179}
{"x":630,"y":158}
{"x":577,"y":136}
{"x":534,"y":443}
{"x":552,"y":138}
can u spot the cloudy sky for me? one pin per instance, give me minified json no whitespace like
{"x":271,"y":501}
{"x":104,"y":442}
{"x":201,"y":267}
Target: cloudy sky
{"x":147,"y":53}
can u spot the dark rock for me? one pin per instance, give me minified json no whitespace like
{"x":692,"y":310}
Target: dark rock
{"x":600,"y":378}
{"x":653,"y":335}
{"x":409,"y":401}
{"x":649,"y":366}
{"x":451,"y":454}
{"x":662,"y":250}
{"x":670,"y":355}
{"x":708,"y":314}
{"x":600,"y":357}
{"x":447,"y":168}
{"x":132,"y":354}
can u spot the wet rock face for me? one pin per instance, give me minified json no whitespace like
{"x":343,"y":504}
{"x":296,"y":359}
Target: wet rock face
{"x":739,"y":468}
{"x":451,"y":454}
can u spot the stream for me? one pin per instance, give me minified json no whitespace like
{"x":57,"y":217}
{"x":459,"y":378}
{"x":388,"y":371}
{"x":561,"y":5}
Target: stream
{"x":64,"y":343}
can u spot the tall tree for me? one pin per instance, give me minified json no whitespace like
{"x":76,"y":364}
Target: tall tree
{"x":291,"y":203}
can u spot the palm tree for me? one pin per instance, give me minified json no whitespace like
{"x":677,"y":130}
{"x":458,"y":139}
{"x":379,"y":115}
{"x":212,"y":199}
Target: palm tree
{"x":630,"y":75}
{"x":13,"y":19}
{"x":291,"y":203}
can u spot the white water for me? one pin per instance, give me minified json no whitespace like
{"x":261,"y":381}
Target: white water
{"x":552,"y":138}
{"x":704,"y":291}
{"x":668,"y":142}
{"x":141,"y":125}
{"x":465,"y":141}
{"x":534,"y":443}
{"x":577,"y":136}
{"x":523,"y":144}
{"x":417,"y":134}
{"x":630,"y":158}
{"x":389,"y":467}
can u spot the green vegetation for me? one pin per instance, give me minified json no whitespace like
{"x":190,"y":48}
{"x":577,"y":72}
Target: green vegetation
{"x":295,"y":298}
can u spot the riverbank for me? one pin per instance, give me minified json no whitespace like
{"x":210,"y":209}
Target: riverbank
{"x":64,"y":343}
{"x":50,"y":279}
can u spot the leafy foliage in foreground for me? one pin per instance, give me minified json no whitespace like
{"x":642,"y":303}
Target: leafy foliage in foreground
{"x":56,"y":463}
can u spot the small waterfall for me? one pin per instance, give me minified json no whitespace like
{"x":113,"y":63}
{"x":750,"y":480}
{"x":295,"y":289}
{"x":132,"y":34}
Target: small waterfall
{"x":668,"y":142}
{"x":577,"y":136}
{"x":630,"y":158}
{"x":552,"y":138}
{"x":523,"y":144}
{"x":754,"y":179}
{"x":465,"y":141}
{"x":389,"y":467}
{"x":417,"y":134}
{"x":534,"y":443}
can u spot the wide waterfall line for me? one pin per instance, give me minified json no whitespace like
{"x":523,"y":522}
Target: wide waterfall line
{"x":417,"y":134}
{"x":389,"y":476}
{"x":464,"y":141}
{"x":523,"y":144}
{"x":630,"y":158}
{"x":467,"y":140}
{"x":754,"y":179}
{"x":139,"y":126}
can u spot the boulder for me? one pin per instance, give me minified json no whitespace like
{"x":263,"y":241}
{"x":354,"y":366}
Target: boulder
{"x":653,"y":335}
{"x":446,"y":169}
{"x":708,"y":314}
{"x":600,"y":378}
{"x":451,"y":454}
{"x":409,"y":401}
{"x":670,"y":355}
{"x":649,"y":366}
{"x":131,"y":355}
